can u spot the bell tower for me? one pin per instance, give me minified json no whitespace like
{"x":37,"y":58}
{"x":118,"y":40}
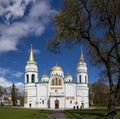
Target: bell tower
{"x":31,"y":69}
{"x":82,"y":74}
{"x":82,"y":83}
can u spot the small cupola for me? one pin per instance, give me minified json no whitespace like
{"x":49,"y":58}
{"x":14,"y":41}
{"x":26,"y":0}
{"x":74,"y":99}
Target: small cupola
{"x":68,"y":78}
{"x":44,"y":78}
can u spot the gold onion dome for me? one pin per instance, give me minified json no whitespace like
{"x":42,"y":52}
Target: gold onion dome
{"x":56,"y":67}
{"x":68,"y":76}
{"x":44,"y":76}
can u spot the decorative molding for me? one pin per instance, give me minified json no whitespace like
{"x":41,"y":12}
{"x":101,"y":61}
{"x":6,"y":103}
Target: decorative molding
{"x":70,"y":97}
{"x":56,"y":88}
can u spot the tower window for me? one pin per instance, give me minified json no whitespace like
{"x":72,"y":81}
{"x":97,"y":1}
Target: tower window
{"x":27,"y":76}
{"x":42,"y":101}
{"x":80,"y":78}
{"x":33,"y":78}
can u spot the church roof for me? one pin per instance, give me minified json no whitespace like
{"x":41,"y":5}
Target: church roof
{"x":81,"y":56}
{"x":56,"y":67}
{"x":69,"y":76}
{"x":44,"y":75}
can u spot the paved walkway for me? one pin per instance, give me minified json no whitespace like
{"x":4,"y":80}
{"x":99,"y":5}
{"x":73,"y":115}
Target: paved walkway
{"x":57,"y":114}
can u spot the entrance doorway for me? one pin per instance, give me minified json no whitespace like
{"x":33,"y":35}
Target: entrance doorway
{"x":30,"y":105}
{"x":56,"y":104}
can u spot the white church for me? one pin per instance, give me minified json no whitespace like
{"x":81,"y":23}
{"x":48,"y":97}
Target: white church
{"x":56,"y":90}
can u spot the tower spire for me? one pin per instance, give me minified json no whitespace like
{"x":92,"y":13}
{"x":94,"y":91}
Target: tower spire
{"x":31,"y":57}
{"x":81,"y":56}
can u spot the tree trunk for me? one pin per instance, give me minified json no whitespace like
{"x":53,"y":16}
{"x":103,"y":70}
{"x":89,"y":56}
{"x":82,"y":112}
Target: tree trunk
{"x":111,"y":105}
{"x":112,"y":100}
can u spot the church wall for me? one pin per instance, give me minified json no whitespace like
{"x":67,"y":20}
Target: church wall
{"x":55,"y":90}
{"x":42,"y":90}
{"x":61,"y":102}
{"x":42,"y":95}
{"x":30,"y":91}
{"x":70,"y":95}
{"x":83,"y":100}
{"x":84,"y":78}
{"x":82,"y":95}
{"x":42,"y":102}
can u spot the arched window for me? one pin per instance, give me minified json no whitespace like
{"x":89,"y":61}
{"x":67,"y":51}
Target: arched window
{"x":80,"y":78}
{"x":56,"y":81}
{"x":27,"y":77}
{"x":33,"y":78}
{"x":53,"y":82}
{"x":42,"y":101}
{"x":60,"y":83}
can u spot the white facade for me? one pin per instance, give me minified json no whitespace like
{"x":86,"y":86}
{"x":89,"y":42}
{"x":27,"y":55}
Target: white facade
{"x":56,"y":91}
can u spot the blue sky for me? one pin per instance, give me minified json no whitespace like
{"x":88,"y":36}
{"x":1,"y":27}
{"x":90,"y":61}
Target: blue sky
{"x":26,"y":22}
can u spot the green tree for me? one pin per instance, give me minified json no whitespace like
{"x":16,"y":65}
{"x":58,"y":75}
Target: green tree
{"x":100,"y":90}
{"x":1,"y":91}
{"x":96,"y":23}
{"x":21,"y":97}
{"x":14,"y":95}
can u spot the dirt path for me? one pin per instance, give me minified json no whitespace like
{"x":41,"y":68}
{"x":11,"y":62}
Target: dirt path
{"x":57,"y":114}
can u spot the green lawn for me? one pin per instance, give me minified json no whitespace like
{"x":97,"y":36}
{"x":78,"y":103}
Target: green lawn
{"x":89,"y":114}
{"x":22,"y":113}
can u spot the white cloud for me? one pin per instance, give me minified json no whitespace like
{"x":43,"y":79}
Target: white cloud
{"x":9,"y":73}
{"x":13,"y":9}
{"x":20,"y":86}
{"x":17,"y":74}
{"x":3,"y":71}
{"x":7,"y":44}
{"x":6,"y":84}
{"x":17,"y":25}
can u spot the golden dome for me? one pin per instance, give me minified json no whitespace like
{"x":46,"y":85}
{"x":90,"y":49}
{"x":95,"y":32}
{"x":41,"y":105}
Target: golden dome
{"x":56,"y":67}
{"x":44,"y":76}
{"x":68,"y":76}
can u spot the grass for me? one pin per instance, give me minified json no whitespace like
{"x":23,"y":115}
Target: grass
{"x":90,"y":114}
{"x":22,"y":113}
